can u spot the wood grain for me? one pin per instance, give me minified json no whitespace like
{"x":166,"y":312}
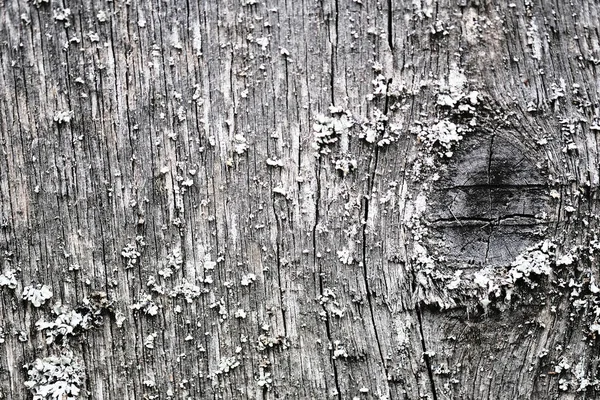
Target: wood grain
{"x":158,"y":172}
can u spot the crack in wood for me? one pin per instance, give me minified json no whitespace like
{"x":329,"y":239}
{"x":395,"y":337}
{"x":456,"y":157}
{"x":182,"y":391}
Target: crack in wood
{"x":493,"y":186}
{"x":390,"y":25}
{"x":475,"y":220}
{"x":320,"y":279}
{"x":364,"y":255}
{"x":426,"y":352}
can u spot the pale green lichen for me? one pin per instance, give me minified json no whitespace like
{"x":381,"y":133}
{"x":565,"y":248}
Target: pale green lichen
{"x":146,"y":305}
{"x":377,"y":129}
{"x":61,"y":117}
{"x":443,"y":134}
{"x":131,"y":254}
{"x":327,"y":130}
{"x":248,"y":279}
{"x":37,"y":294}
{"x":536,"y":260}
{"x":57,"y":377}
{"x":8,"y":279}
{"x":65,"y":324}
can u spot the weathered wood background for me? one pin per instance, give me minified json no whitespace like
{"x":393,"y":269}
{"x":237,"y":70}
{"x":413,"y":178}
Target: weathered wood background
{"x":210,"y":228}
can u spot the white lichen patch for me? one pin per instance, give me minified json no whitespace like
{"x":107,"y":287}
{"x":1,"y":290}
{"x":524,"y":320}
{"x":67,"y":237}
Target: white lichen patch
{"x":55,"y":377}
{"x":327,"y":130}
{"x":580,"y":379}
{"x":188,"y":290}
{"x":265,"y":342}
{"x":149,"y":383}
{"x":327,"y":296}
{"x":153,"y":285}
{"x":265,"y":379}
{"x":328,"y":301}
{"x":451,"y":90}
{"x":93,"y":37}
{"x":131,"y":252}
{"x":37,"y":294}
{"x":566,"y":259}
{"x":345,"y":164}
{"x":377,"y":130}
{"x":61,"y":117}
{"x":101,"y":16}
{"x":240,"y":144}
{"x":423,"y":260}
{"x":558,"y":90}
{"x":274,"y":162}
{"x":209,"y":265}
{"x":534,"y":261}
{"x":65,"y":324}
{"x":146,"y":305}
{"x":226,"y":365}
{"x":119,"y":319}
{"x":534,"y":40}
{"x":456,"y":279}
{"x":584,"y":292}
{"x":8,"y":279}
{"x":380,"y":85}
{"x":149,"y":340}
{"x":174,"y":262}
{"x":23,"y":336}
{"x":443,"y":134}
{"x":345,"y":256}
{"x":263,"y":42}
{"x":220,"y":306}
{"x":165,"y":272}
{"x":181,"y":114}
{"x":61,"y":14}
{"x":281,"y":190}
{"x":247,"y":279}
{"x":338,"y":350}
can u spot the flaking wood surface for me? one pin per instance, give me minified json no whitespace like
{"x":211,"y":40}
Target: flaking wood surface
{"x":164,"y":92}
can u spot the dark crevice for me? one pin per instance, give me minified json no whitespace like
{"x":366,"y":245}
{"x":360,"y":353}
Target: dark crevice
{"x":283,"y":314}
{"x":331,"y":79}
{"x":488,"y":185}
{"x":279,"y":226}
{"x":370,"y":184}
{"x":490,"y":155}
{"x":333,"y":51}
{"x":337,"y":22}
{"x":451,"y":224}
{"x":278,"y":256}
{"x":489,"y":239}
{"x":474,"y":394}
{"x":508,"y":249}
{"x":317,"y":213}
{"x":390,"y":25}
{"x":364,"y":253}
{"x":320,"y":277}
{"x":386,"y":105}
{"x":489,"y":176}
{"x":425,"y":353}
{"x":496,"y":220}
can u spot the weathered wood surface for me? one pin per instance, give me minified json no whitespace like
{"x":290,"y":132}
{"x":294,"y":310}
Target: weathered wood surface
{"x":443,"y":246}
